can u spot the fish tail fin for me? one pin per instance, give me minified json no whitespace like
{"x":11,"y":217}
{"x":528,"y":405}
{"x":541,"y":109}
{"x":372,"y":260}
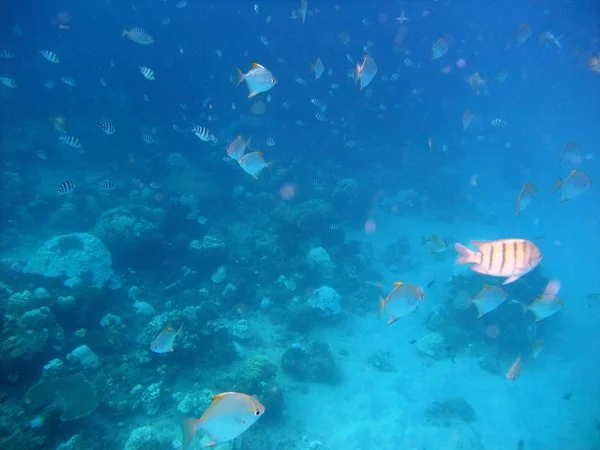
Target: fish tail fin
{"x":241,"y":76}
{"x":524,"y":309}
{"x":357,"y":73}
{"x":179,"y":332}
{"x":270,"y":166}
{"x":248,"y":143}
{"x":466,"y":255}
{"x":558,"y":183}
{"x":124,"y":32}
{"x":381,"y":306}
{"x":423,"y":240}
{"x":188,"y":430}
{"x":312,"y":66}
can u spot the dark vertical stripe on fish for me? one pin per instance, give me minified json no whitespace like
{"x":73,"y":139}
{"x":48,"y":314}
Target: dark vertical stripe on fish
{"x":490,"y":263}
{"x":515,"y":262}
{"x":503,"y":258}
{"x":526,"y":256}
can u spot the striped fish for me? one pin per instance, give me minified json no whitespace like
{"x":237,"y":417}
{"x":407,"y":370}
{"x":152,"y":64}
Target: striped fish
{"x":71,"y":141}
{"x":65,"y":187}
{"x":6,"y":54}
{"x":70,"y":81}
{"x":148,"y":73}
{"x":511,"y":258}
{"x":203,"y":133}
{"x":106,"y":127}
{"x":106,"y":185}
{"x":50,"y":56}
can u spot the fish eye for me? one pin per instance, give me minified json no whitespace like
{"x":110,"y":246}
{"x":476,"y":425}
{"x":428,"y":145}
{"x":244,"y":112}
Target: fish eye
{"x":257,"y":412}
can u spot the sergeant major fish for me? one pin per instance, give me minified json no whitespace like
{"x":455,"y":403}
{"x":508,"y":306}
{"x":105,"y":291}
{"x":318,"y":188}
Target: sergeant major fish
{"x":511,"y":258}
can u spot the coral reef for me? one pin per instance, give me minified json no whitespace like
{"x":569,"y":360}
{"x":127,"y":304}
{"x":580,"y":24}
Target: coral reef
{"x":316,"y":364}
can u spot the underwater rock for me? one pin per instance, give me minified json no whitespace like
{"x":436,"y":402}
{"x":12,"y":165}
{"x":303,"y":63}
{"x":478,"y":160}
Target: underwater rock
{"x":72,"y":255}
{"x":219,"y":276}
{"x":150,"y":399}
{"x":241,"y":330}
{"x":85,"y":357}
{"x":438,"y":319}
{"x":380,"y":362}
{"x":397,"y":256}
{"x":70,"y":444}
{"x":432,"y":344}
{"x":443,"y":412}
{"x":194,"y":403}
{"x":256,"y":371}
{"x":319,"y":261}
{"x":317,"y":364}
{"x":326,"y":301}
{"x":209,"y":253}
{"x":489,"y":365}
{"x":142,"y":438}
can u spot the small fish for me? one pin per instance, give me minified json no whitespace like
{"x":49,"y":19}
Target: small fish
{"x":106,"y":185}
{"x":65,"y":187}
{"x":258,"y":79}
{"x":528,"y":191}
{"x":413,"y":341}
{"x":8,"y":82}
{"x":138,"y":35}
{"x":71,"y":141}
{"x":41,"y":154}
{"x":228,"y":416}
{"x":511,"y":258}
{"x":488,"y":299}
{"x":439,"y":48}
{"x":264,"y":40}
{"x":575,"y":184}
{"x":334,"y":226}
{"x":570,"y":153}
{"x":568,"y":395}
{"x":477,"y":83}
{"x":431,"y":283}
{"x":402,"y":18}
{"x":498,"y":123}
{"x":303,"y":10}
{"x":515,"y":370}
{"x":537,"y":349}
{"x":321,"y":117}
{"x":317,"y":68}
{"x":253,"y":163}
{"x":202,"y":133}
{"x":155,"y":185}
{"x":147,"y":72}
{"x":436,"y":244}
{"x":238,"y":147}
{"x":594,"y":62}
{"x":523,"y":34}
{"x":402,"y":301}
{"x":257,"y":9}
{"x":106,"y":127}
{"x":521,"y":445}
{"x":593,"y":297}
{"x":270,"y":141}
{"x":543,"y":307}
{"x":365,"y":72}
{"x":50,"y":56}
{"x":148,"y":139}
{"x":410,"y":63}
{"x":59,"y":124}
{"x":467,"y":119}
{"x":502,"y":76}
{"x":69,"y":81}
{"x":6,"y":54}
{"x":547,"y":38}
{"x":163,"y":343}
{"x":181,"y":4}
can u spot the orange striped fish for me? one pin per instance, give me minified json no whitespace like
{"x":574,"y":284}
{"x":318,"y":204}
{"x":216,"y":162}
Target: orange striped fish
{"x":511,"y":258}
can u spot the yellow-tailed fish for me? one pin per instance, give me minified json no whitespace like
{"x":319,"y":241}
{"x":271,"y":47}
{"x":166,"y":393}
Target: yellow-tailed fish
{"x":594,"y":62}
{"x":163,"y":343}
{"x":436,"y":243}
{"x":402,"y":301}
{"x":511,"y":258}
{"x":526,"y":195}
{"x":543,"y":307}
{"x":573,"y":185}
{"x":59,"y":124}
{"x":476,"y":82}
{"x":488,"y":299}
{"x":365,"y":72}
{"x":253,"y":163}
{"x":570,"y":153}
{"x":439,"y":48}
{"x":318,"y":68}
{"x":258,"y":79}
{"x":228,"y":416}
{"x":237,"y":147}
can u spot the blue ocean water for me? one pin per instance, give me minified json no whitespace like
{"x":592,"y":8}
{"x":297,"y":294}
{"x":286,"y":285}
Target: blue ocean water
{"x":145,"y":270}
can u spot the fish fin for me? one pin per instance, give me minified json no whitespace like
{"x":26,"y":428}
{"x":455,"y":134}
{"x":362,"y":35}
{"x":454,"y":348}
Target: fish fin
{"x":241,"y":76}
{"x":248,"y":143}
{"x":188,"y":430}
{"x":252,"y":94}
{"x":392,"y":319}
{"x":466,"y":255}
{"x":478,"y":244}
{"x":211,"y":443}
{"x":312,"y":66}
{"x":424,"y":240}
{"x":124,"y":32}
{"x":511,"y":279}
{"x":269,"y":166}
{"x":255,"y":64}
{"x":397,"y":283}
{"x":381,"y":306}
{"x":357,"y":73}
{"x":260,"y":153}
{"x":218,"y":396}
{"x":180,"y":328}
{"x":558,"y":183}
{"x":168,"y":328}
